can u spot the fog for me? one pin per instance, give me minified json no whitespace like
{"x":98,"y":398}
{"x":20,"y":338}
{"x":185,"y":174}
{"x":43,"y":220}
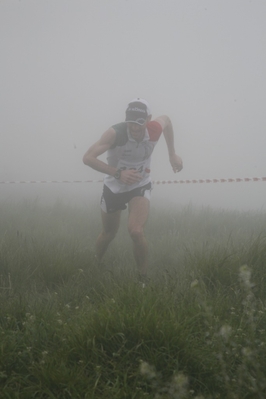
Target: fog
{"x":69,"y":68}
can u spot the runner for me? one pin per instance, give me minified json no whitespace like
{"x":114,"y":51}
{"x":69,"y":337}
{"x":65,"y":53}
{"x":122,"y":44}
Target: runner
{"x":129,"y":146}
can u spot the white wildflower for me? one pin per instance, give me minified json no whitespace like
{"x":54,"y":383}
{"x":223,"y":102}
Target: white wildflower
{"x":147,"y":370}
{"x":247,"y":352}
{"x":245,"y":275}
{"x":225,"y":331}
{"x":194,"y":284}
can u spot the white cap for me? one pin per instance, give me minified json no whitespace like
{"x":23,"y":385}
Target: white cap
{"x":141,"y":100}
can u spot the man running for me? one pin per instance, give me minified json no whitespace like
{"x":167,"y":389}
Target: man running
{"x":129,"y":146}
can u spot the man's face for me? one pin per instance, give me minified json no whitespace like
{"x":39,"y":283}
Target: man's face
{"x":136,"y":131}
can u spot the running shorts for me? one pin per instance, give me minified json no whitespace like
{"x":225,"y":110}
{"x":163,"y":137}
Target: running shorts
{"x":111,"y":202}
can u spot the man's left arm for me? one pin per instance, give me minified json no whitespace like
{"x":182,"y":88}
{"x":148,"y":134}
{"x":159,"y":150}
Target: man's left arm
{"x":175,"y":160}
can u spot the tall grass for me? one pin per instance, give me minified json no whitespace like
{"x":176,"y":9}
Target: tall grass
{"x":72,"y":329}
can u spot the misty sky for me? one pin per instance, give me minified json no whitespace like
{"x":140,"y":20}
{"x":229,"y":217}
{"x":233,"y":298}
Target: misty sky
{"x":69,"y":67}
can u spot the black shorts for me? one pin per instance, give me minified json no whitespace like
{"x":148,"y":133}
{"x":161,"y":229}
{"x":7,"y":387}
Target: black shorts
{"x":111,"y":202}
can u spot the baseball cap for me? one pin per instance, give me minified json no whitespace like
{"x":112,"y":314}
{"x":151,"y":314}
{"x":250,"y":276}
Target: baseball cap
{"x":137,"y":111}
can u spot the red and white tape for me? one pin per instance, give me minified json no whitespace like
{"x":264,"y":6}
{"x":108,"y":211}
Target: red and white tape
{"x":194,"y":181}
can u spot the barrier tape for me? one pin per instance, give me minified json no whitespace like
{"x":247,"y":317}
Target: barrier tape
{"x":194,"y":181}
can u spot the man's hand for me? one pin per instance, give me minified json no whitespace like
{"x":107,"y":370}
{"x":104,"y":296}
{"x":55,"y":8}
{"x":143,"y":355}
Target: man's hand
{"x":176,"y":163}
{"x":130,"y":176}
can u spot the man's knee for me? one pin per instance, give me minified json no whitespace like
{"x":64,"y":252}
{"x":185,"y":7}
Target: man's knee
{"x":136,"y":232}
{"x":110,"y":225}
{"x":109,"y":235}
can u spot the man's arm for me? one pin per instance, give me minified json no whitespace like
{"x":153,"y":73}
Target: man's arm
{"x":175,"y":160}
{"x":101,"y":146}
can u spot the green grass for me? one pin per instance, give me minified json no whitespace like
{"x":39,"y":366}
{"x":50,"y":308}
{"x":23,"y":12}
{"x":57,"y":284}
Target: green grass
{"x":69,"y":329}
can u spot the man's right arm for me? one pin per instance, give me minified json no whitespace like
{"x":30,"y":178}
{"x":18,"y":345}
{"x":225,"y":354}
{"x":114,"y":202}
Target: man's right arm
{"x":100,"y":147}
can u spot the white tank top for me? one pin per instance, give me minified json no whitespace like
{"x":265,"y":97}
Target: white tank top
{"x":126,"y":153}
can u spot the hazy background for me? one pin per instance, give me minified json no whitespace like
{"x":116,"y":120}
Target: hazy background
{"x":69,"y":68}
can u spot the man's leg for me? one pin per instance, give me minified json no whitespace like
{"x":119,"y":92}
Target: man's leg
{"x":138,"y":216}
{"x":110,"y":225}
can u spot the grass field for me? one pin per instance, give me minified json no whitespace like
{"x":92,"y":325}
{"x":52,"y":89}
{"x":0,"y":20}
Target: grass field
{"x":69,"y":329}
